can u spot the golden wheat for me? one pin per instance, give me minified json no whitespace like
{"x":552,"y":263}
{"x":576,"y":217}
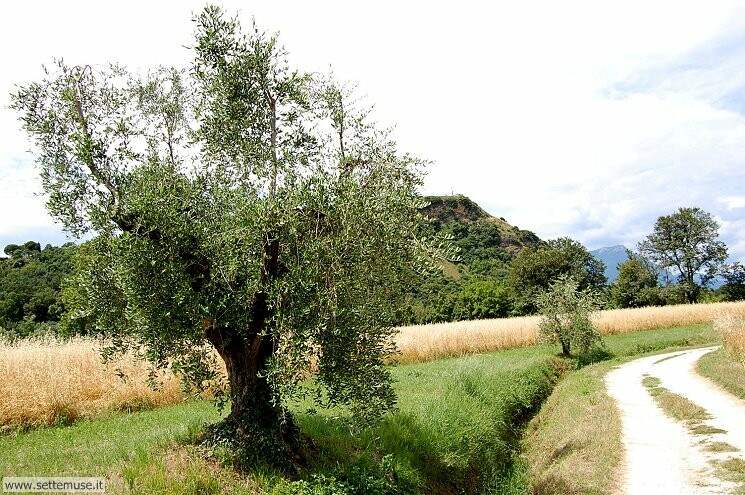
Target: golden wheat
{"x":427,"y":342}
{"x":732,"y":329}
{"x":46,"y":382}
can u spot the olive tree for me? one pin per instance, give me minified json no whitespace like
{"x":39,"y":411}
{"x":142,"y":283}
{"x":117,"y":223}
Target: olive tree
{"x":566,"y":315}
{"x":687,"y":242}
{"x":237,"y":205}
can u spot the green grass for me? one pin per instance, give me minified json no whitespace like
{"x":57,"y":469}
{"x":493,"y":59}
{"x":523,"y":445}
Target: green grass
{"x":653,"y":341}
{"x":458,"y":421}
{"x":93,"y":447}
{"x":457,"y":430}
{"x":725,"y":371}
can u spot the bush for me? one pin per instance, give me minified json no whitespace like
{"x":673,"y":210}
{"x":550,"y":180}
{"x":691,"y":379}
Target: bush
{"x":566,"y":316}
{"x":354,"y":480}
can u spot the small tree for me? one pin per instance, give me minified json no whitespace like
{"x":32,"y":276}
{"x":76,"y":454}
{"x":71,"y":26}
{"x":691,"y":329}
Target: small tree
{"x":566,"y":316}
{"x":239,"y":205}
{"x":636,"y":282}
{"x":686,"y":242}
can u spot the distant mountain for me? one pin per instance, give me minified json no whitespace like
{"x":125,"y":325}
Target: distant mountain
{"x":612,"y":256}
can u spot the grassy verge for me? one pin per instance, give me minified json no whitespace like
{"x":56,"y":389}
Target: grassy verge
{"x":93,"y":447}
{"x":457,"y":430}
{"x":574,"y":444}
{"x":727,"y":372}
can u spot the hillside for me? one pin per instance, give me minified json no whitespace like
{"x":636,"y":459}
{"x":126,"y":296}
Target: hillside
{"x":483,"y":239}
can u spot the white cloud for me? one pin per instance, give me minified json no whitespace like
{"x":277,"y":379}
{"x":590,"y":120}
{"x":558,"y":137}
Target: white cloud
{"x":733,"y":202}
{"x":587,"y":119}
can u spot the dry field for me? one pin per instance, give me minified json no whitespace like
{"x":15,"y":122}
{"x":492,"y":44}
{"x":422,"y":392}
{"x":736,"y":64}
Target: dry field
{"x":732,"y":330}
{"x":427,"y":342}
{"x":48,"y":382}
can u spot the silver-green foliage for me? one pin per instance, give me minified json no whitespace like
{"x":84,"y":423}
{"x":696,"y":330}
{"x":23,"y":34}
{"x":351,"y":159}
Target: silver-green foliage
{"x":566,"y":315}
{"x":236,"y":202}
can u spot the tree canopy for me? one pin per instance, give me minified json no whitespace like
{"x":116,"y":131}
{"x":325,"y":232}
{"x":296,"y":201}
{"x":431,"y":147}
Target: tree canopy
{"x":534,"y":269}
{"x":734,"y":282}
{"x":237,"y":204}
{"x":566,"y":315}
{"x":636,"y":284}
{"x":30,"y":282}
{"x":687,"y":242}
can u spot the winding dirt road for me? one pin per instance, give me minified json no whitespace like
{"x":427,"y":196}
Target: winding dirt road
{"x":664,"y":456}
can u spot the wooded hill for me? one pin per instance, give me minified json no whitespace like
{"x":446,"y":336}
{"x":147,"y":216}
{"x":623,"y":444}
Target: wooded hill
{"x":486,"y":243}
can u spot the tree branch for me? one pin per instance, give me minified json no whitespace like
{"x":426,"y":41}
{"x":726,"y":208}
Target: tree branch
{"x":89,"y":159}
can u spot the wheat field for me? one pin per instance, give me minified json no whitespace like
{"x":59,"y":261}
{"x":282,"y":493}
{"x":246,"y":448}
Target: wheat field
{"x":732,"y":330}
{"x":426,"y":342}
{"x":45,"y":382}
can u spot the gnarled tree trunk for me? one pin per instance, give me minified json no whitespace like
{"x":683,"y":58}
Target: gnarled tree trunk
{"x":258,"y":428}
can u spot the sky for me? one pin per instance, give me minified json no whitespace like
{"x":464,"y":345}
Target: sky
{"x":581,"y":119}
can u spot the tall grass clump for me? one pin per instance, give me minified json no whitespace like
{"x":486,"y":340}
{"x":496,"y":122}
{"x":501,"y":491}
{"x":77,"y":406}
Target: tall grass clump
{"x":47,"y":382}
{"x":732,"y":329}
{"x":427,"y":342}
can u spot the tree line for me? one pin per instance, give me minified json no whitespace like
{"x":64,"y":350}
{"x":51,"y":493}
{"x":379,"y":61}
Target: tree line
{"x":674,"y":264}
{"x":663,"y":271}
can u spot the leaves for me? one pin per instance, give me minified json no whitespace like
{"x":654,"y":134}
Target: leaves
{"x":686,"y":242}
{"x":566,"y":315}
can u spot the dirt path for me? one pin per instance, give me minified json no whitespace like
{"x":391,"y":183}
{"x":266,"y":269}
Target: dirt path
{"x":663,"y":456}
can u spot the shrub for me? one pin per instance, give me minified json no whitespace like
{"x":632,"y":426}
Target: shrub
{"x":566,"y":316}
{"x":354,"y":480}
